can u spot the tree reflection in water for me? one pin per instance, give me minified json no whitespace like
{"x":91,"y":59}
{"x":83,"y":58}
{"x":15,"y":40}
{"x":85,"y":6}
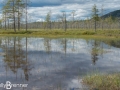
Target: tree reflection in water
{"x":57,"y":62}
{"x":15,"y":57}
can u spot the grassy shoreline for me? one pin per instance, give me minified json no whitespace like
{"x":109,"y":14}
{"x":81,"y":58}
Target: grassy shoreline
{"x":95,"y":81}
{"x":102,"y":82}
{"x":100,"y":34}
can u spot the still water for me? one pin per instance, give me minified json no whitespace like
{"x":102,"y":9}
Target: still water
{"x":55,"y":64}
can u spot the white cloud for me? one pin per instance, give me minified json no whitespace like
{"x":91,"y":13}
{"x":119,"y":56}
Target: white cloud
{"x":38,"y":13}
{"x":83,"y":8}
{"x":45,"y":1}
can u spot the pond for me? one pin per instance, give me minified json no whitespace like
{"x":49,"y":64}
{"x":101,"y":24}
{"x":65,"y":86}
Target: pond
{"x":55,"y":64}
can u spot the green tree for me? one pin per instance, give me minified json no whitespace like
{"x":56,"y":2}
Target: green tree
{"x":13,"y":10}
{"x":5,"y":11}
{"x":95,"y":15}
{"x":20,"y":5}
{"x":48,"y":20}
{"x":26,"y":10}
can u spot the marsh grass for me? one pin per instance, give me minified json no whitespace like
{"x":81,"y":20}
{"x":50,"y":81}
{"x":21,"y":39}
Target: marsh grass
{"x":102,"y":82}
{"x":50,"y":32}
{"x":62,"y":33}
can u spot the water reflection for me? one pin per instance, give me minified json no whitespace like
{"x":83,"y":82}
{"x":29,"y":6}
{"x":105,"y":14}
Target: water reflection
{"x":95,"y":52}
{"x":15,"y":57}
{"x":47,"y":44}
{"x":114,"y":43}
{"x":64,"y":45}
{"x":54,"y":64}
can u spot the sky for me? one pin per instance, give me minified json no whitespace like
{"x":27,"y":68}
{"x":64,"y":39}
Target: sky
{"x":38,"y":9}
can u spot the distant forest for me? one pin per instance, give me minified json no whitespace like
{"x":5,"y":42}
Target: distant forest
{"x":15,"y":17}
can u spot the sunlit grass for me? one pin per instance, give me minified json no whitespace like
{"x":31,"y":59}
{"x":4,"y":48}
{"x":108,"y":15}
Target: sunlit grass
{"x":62,"y":33}
{"x":50,"y":32}
{"x":102,"y":82}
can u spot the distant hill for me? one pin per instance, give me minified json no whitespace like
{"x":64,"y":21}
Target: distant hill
{"x":115,"y":14}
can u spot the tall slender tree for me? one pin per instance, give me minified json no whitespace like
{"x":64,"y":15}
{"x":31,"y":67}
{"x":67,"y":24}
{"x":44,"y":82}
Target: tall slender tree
{"x":64,"y":20}
{"x":20,"y":5}
{"x":13,"y":10}
{"x":102,"y":17}
{"x":48,"y":20}
{"x":73,"y":15}
{"x":5,"y":11}
{"x":95,"y":15}
{"x":26,"y":6}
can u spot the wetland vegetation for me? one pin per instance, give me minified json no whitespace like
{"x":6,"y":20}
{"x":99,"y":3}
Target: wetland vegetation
{"x":58,"y":54}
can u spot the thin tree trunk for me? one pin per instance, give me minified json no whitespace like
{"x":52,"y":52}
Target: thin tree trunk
{"x":18,"y":18}
{"x":95,"y":25}
{"x":14,"y":16}
{"x":8,"y":23}
{"x":65,"y":23}
{"x":5,"y":20}
{"x":26,"y":16}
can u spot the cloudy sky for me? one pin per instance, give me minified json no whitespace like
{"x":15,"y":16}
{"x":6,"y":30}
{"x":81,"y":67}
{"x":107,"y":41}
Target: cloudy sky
{"x":39,"y":8}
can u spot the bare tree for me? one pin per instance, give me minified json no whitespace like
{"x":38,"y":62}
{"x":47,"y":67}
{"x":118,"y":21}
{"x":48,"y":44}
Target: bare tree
{"x":64,"y":20}
{"x":102,"y":17}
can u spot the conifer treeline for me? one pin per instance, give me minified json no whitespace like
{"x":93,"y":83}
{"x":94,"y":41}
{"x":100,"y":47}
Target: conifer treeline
{"x":15,"y":17}
{"x":14,"y":12}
